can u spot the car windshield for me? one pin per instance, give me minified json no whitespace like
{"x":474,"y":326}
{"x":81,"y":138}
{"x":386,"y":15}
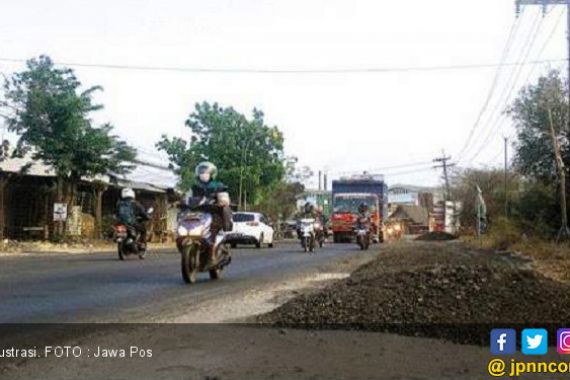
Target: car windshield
{"x":342,"y":204}
{"x":243,"y":218}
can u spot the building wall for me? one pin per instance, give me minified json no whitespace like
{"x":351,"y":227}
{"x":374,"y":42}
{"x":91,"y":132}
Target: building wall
{"x":402,"y":196}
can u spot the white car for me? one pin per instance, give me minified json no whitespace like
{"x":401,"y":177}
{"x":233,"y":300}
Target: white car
{"x":250,"y":228}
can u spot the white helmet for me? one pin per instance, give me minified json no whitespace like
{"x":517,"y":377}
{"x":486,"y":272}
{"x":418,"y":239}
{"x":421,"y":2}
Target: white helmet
{"x":127,"y":192}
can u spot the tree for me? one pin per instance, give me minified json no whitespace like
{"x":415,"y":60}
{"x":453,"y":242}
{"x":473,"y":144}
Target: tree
{"x":46,"y":109}
{"x":541,"y":116}
{"x":534,"y":154}
{"x":248,"y":153}
{"x":464,"y":189}
{"x":280,"y":202}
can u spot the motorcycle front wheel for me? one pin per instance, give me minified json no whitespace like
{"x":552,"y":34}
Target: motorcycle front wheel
{"x":121,"y":251}
{"x":189,"y":263}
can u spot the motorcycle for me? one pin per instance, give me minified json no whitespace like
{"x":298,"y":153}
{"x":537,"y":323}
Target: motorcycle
{"x":307,"y":234}
{"x":319,"y":233}
{"x":128,"y":240}
{"x":362,"y":232}
{"x":194,"y":240}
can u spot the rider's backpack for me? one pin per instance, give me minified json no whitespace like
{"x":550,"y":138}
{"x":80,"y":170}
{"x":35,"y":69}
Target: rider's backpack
{"x":126,"y":212}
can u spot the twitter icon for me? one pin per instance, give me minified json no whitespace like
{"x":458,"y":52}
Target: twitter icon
{"x":534,"y":342}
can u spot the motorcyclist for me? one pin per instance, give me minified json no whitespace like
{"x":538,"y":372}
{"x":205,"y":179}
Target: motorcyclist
{"x":322,"y":219}
{"x":132,"y":213}
{"x":307,"y":212}
{"x":208,"y":187}
{"x":363,"y":215}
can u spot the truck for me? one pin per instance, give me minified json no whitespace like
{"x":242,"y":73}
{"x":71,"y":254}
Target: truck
{"x":348,"y":194}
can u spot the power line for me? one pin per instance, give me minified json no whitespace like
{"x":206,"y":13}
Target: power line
{"x":381,"y":168}
{"x":293,"y":71}
{"x":541,"y":51}
{"x":409,"y":172}
{"x":506,"y":49}
{"x":493,"y":123}
{"x":508,"y":83}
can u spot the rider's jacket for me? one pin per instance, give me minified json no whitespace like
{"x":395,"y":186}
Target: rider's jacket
{"x":208,"y":190}
{"x":131,"y":212}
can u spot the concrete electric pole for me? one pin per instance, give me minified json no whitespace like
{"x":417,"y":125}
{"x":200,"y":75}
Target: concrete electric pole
{"x":506,"y":177}
{"x":444,"y":165}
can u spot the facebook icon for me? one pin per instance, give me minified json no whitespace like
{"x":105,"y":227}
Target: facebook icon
{"x":503,"y":341}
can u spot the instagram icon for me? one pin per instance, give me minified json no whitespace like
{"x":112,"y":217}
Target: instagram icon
{"x":563,"y":341}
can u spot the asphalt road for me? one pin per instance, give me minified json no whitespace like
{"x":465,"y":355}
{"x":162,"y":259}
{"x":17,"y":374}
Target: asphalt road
{"x":97,"y":287}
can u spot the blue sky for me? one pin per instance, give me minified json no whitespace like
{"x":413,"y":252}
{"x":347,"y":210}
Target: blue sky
{"x":338,"y":122}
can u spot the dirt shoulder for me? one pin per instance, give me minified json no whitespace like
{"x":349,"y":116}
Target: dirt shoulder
{"x":17,"y":248}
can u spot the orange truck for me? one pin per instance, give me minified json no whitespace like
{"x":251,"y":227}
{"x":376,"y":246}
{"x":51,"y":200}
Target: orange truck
{"x":348,"y":194}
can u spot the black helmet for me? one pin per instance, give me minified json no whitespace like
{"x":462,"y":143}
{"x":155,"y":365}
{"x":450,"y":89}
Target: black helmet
{"x":363,"y":207}
{"x":309,"y":207}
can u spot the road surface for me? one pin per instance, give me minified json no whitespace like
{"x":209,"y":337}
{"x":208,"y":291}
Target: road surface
{"x":98,"y":287}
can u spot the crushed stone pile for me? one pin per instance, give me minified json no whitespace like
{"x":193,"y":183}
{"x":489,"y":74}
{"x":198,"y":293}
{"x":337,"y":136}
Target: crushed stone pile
{"x":459,"y":300}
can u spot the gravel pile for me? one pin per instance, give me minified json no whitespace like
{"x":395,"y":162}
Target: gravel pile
{"x":436,"y":236}
{"x":458,"y":300}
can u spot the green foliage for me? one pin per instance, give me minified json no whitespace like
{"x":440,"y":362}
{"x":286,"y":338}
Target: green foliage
{"x":491,"y":182}
{"x":537,"y":208}
{"x":241,"y":148}
{"x":51,"y":116}
{"x":534,"y":151}
{"x":503,"y":233}
{"x":280,"y":201}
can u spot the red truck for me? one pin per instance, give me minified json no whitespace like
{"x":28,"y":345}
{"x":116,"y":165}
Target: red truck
{"x":348,"y":194}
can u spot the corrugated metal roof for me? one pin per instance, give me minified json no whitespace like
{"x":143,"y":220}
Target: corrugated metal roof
{"x":37,"y":168}
{"x":162,"y":182}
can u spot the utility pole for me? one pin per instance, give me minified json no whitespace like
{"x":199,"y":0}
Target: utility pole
{"x":545,"y":4}
{"x":564,"y":233}
{"x":444,"y":165}
{"x":320,"y":180}
{"x":506,"y":178}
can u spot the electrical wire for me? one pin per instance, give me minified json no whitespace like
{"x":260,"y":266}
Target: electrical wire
{"x":512,"y":33}
{"x":540,"y":53}
{"x":382,"y":168}
{"x":508,"y":91}
{"x":293,"y":71}
{"x":505,"y":90}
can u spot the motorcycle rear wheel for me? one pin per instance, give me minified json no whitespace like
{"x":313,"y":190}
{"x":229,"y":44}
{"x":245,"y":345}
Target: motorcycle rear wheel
{"x":189,"y":263}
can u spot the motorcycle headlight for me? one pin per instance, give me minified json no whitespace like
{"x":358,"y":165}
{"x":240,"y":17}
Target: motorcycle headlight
{"x":390,"y":230}
{"x":182,"y":231}
{"x":397,"y":227}
{"x":196,"y":232}
{"x":316,"y":226}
